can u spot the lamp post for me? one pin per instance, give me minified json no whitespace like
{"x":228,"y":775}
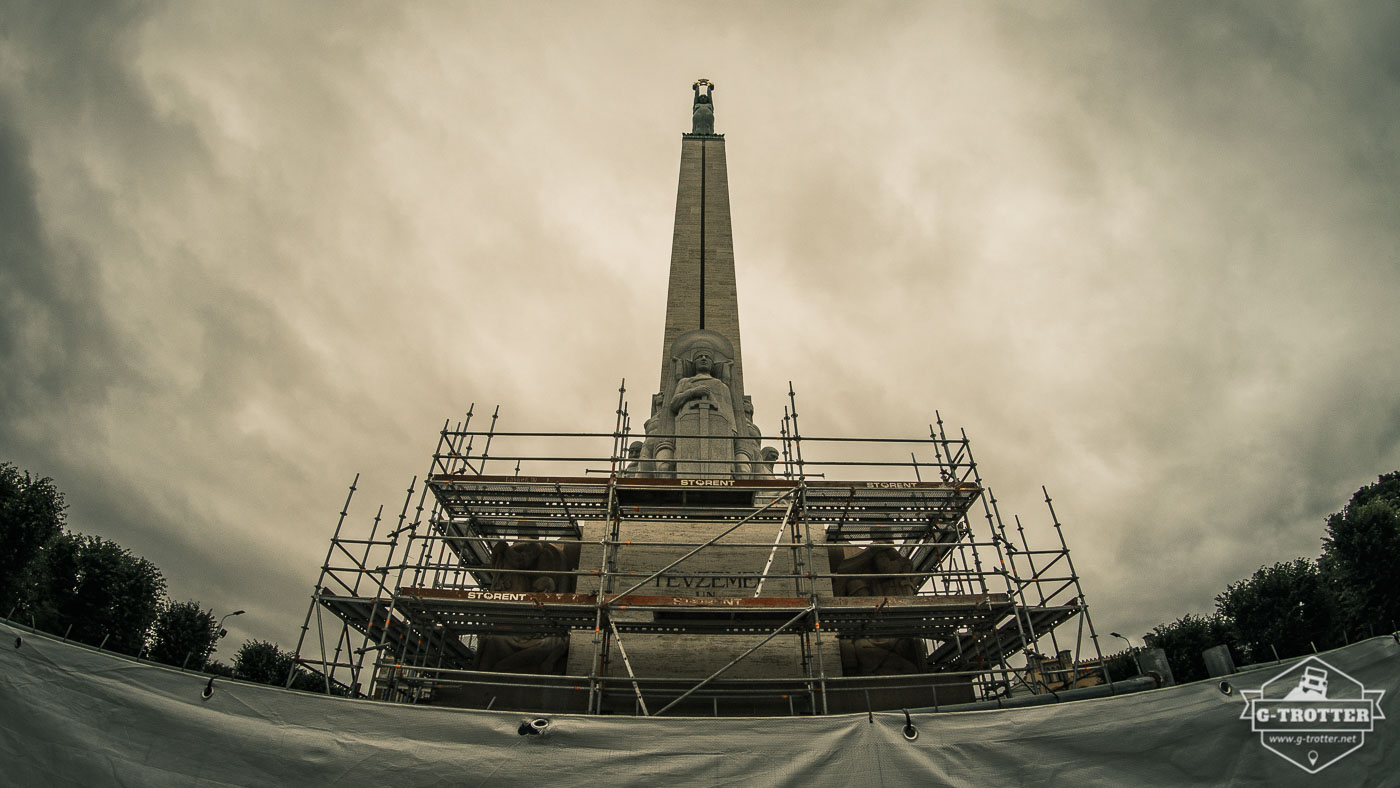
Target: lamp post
{"x":220,"y":628}
{"x":219,"y":632}
{"x":1131,"y":650}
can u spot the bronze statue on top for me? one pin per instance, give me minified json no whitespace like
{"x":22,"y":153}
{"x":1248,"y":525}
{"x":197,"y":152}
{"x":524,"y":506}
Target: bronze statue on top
{"x":703,"y":109}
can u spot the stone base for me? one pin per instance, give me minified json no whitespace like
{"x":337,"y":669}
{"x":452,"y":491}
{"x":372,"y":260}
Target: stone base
{"x":716,"y":571}
{"x":693,"y":656}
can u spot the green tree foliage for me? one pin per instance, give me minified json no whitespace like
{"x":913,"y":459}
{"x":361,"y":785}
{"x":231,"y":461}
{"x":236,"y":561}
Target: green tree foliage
{"x":266,"y":663}
{"x":183,"y":631}
{"x":1122,"y":665}
{"x":1287,"y":606}
{"x":1183,"y":641}
{"x":1353,"y":589}
{"x":32,"y":513}
{"x":262,"y":662}
{"x":1361,"y":555}
{"x":99,"y":589}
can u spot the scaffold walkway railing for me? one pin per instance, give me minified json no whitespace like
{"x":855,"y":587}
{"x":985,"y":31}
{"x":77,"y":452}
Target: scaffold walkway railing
{"x":416,"y":600}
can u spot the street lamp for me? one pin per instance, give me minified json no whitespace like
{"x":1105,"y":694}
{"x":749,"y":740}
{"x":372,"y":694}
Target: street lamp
{"x":220,"y":628}
{"x":1131,"y":650}
{"x":219,"y":633}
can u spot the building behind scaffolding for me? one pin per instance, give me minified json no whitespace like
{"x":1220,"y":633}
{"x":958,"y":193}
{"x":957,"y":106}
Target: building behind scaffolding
{"x":694,"y":566}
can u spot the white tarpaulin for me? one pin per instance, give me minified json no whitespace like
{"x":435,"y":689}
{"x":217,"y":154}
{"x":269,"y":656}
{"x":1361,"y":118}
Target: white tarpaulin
{"x":74,"y":716}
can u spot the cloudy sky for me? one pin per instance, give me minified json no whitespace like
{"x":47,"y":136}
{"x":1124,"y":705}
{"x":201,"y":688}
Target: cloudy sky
{"x":1147,"y":255}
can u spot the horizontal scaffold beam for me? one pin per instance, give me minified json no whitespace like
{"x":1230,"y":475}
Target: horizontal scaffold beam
{"x":490,"y":612}
{"x":514,"y":506}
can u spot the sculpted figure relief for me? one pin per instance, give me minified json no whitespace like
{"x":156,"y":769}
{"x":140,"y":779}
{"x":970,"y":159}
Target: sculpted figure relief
{"x":509,"y":654}
{"x":880,"y":558}
{"x":634,"y":460}
{"x":704,"y":387}
{"x":769,"y":457}
{"x":515,"y":565}
{"x":746,"y":451}
{"x":701,"y":405}
{"x":659,"y":452}
{"x":880,"y":564}
{"x":519,"y":561}
{"x":882,"y":656}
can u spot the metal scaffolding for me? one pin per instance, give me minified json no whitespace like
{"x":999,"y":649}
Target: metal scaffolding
{"x":412,"y":604}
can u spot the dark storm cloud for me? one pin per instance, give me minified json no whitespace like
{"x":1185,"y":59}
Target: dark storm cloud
{"x":1144,"y":253}
{"x":1157,"y":249}
{"x":1269,"y":136}
{"x":55,"y":342}
{"x":137,"y":436}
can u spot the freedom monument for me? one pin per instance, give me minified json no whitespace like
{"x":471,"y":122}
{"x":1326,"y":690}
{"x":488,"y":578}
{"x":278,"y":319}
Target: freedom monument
{"x":698,"y":566}
{"x":692,"y":602}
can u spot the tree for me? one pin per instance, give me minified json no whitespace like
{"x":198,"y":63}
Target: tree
{"x":1123,"y":665}
{"x":32,"y":513}
{"x":183,"y":631}
{"x":217,"y":668}
{"x":1286,"y":608}
{"x":99,"y":589}
{"x":1361,"y":554}
{"x":263,"y":662}
{"x":266,"y":663}
{"x":1183,"y":641}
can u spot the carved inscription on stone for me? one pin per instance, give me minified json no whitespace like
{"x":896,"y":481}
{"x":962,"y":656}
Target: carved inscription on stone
{"x":702,"y":586}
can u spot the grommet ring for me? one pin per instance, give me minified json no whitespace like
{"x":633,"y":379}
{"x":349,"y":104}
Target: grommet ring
{"x":533,"y":727}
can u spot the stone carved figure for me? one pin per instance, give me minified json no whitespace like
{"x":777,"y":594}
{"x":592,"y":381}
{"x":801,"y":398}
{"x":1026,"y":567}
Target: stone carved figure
{"x":746,"y":450}
{"x":659,"y":452}
{"x":702,"y":405}
{"x":634,"y":460}
{"x":768,"y":458}
{"x":874,"y":572}
{"x":515,"y":568}
{"x":882,"y":656}
{"x":510,"y":654}
{"x":703,"y":109}
{"x":703,"y":388}
{"x":519,"y":563}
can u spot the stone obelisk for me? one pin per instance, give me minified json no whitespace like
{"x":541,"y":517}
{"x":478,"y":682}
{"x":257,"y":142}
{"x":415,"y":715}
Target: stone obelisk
{"x":701,"y":430}
{"x":701,"y":408}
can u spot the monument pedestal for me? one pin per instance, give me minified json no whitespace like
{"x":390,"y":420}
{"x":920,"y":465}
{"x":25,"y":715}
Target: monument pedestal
{"x":732,"y":567}
{"x":721,"y":570}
